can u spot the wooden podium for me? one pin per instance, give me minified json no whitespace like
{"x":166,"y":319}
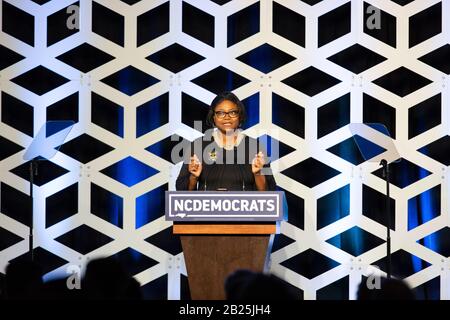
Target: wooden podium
{"x":213,"y":251}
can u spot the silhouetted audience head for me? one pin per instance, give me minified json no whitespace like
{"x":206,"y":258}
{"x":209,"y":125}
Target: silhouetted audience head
{"x":388,"y":289}
{"x":23,"y":280}
{"x":57,"y":289}
{"x":249,"y":285}
{"x":106,"y":279}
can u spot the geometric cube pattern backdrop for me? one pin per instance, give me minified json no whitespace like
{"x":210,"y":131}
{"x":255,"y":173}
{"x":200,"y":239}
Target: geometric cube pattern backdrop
{"x":134,"y":74}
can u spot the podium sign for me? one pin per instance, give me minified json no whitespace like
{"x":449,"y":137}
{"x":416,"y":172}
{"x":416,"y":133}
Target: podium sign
{"x":224,"y":205}
{"x":213,"y":250}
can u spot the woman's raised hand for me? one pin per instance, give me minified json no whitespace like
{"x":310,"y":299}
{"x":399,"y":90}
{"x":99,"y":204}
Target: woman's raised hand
{"x":258,"y":163}
{"x":195,"y":166}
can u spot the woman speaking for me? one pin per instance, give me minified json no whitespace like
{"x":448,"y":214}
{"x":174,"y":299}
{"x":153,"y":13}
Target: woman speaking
{"x":228,"y":159}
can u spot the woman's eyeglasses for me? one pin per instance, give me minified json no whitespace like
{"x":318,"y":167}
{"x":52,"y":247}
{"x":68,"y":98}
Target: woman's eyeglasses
{"x":222,"y":114}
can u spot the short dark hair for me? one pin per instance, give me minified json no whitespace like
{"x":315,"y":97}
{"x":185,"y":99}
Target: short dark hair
{"x":230,"y":96}
{"x":390,"y":289}
{"x":250,"y":285}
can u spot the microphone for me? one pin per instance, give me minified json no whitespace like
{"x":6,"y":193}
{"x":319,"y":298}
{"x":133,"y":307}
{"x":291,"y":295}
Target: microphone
{"x":240,"y":171}
{"x":213,"y":158}
{"x":242,"y":177}
{"x":206,"y":176}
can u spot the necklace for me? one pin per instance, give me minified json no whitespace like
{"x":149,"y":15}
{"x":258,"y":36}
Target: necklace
{"x":228,"y":144}
{"x":226,"y":141}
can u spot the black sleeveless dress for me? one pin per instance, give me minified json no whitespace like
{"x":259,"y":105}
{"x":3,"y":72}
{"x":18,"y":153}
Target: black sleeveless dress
{"x":225,"y":169}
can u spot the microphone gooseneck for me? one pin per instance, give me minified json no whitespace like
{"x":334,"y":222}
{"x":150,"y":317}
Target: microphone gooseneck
{"x":206,"y":172}
{"x":241,"y":173}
